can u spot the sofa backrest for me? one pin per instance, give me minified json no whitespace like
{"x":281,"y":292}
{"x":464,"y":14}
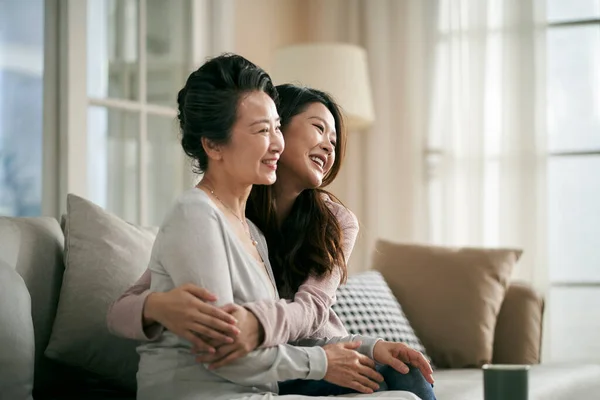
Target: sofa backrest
{"x":33,"y":247}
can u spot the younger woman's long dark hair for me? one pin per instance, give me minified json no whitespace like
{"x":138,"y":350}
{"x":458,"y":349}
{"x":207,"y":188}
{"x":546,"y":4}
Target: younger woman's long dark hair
{"x":309,"y":241}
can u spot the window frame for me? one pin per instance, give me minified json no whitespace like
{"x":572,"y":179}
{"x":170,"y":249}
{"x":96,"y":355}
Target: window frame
{"x":50,"y":125}
{"x":65,"y":127}
{"x":583,"y":153}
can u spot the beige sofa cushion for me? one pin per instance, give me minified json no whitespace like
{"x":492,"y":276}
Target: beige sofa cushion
{"x":104,"y":255}
{"x":451,"y":296}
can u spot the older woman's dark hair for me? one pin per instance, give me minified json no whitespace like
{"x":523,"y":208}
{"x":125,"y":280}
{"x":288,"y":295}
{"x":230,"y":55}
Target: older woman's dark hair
{"x":209,"y":101}
{"x":309,"y":241}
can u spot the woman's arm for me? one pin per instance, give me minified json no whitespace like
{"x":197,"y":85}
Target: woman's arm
{"x":367,"y":344}
{"x":284,"y":321}
{"x":125,"y":316}
{"x":141,"y":315}
{"x":192,"y":250}
{"x":349,"y":225}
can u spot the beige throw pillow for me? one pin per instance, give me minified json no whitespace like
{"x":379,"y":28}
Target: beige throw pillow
{"x":451,"y":296}
{"x":104,"y":255}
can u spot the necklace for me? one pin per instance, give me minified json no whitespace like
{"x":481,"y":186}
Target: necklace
{"x":245,"y":227}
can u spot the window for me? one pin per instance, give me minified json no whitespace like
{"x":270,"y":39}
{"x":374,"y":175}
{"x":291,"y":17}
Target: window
{"x":497,"y":176}
{"x":122,"y":63}
{"x":21,"y":107}
{"x":138,"y":57}
{"x":573,"y":122}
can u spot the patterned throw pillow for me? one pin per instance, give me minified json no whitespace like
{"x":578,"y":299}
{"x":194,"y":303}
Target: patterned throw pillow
{"x":366,"y":306}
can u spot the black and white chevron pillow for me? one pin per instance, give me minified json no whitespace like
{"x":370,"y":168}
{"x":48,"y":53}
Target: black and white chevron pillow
{"x":367,"y":307}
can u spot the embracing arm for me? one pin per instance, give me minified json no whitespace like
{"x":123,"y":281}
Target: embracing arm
{"x":284,"y":321}
{"x":193,"y":250}
{"x":125,"y":316}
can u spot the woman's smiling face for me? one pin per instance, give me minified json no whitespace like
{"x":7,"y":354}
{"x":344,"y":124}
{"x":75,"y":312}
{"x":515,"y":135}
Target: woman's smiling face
{"x":310,"y":143}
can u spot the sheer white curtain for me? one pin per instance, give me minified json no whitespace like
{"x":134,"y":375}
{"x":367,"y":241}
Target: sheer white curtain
{"x":486,"y":135}
{"x":382,"y":178}
{"x":457,"y":153}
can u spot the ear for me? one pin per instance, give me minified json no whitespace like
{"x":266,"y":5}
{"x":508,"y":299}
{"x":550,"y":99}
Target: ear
{"x":212,"y":149}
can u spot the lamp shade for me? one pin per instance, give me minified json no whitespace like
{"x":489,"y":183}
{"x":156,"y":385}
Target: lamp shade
{"x":336,"y":68}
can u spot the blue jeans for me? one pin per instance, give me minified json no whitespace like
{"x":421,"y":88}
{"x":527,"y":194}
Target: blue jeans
{"x":413,"y":382}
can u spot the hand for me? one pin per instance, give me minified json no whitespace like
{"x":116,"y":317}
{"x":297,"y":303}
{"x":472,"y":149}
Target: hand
{"x":348,"y":368}
{"x":184,"y":312}
{"x":253,"y":335}
{"x":397,"y":355}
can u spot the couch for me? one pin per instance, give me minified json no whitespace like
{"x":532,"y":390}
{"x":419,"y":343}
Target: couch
{"x":31,"y":262}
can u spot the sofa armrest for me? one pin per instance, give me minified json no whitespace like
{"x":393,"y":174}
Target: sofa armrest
{"x":518,"y":335}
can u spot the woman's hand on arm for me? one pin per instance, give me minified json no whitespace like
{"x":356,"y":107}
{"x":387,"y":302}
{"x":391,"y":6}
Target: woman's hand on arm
{"x":251,"y":335}
{"x":186,"y":312}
